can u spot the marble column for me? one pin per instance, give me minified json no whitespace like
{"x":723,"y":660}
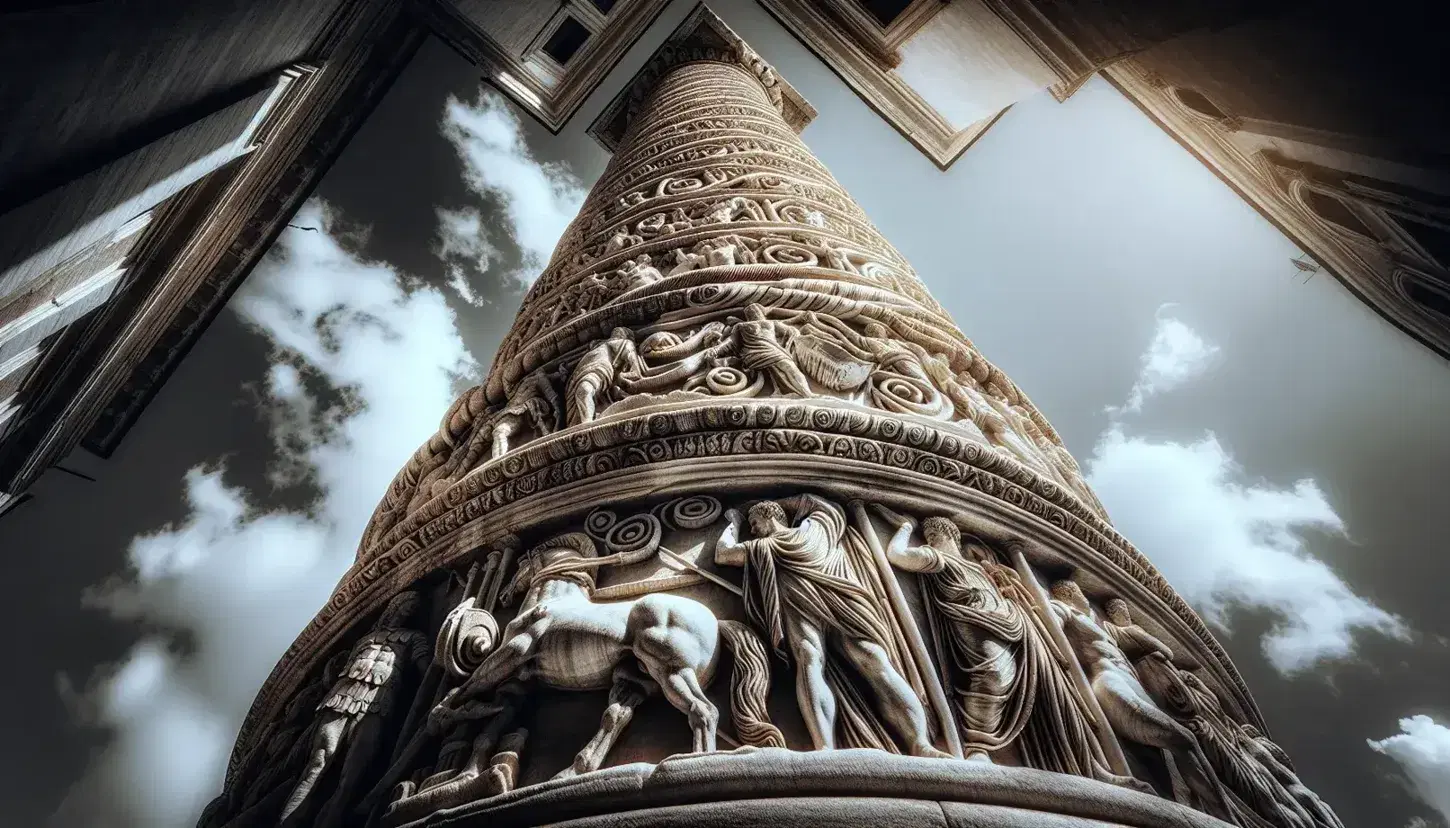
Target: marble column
{"x":742,"y":530}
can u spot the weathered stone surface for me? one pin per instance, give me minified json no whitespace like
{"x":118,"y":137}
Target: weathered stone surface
{"x":737,"y":480}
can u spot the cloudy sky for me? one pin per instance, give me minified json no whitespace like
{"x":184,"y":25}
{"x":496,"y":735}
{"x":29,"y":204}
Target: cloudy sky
{"x":1270,"y":443}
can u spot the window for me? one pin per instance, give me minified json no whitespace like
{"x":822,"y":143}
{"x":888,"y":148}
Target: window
{"x":1199,"y":102}
{"x":1434,"y":239}
{"x":1335,"y":212}
{"x":886,"y":11}
{"x":1428,"y":297}
{"x":566,"y":40}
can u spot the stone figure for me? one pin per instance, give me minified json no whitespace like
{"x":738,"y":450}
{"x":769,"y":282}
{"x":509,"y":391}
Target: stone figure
{"x":1249,"y":781}
{"x":287,"y":747}
{"x":638,"y":273}
{"x":763,"y":345}
{"x":562,"y":639}
{"x":720,"y":253}
{"x":803,"y":590}
{"x":938,"y":367}
{"x":490,"y":769}
{"x":535,"y":404}
{"x":1009,"y":686}
{"x":1130,"y":710}
{"x":686,"y":261}
{"x":1185,"y":697}
{"x":982,"y":411}
{"x":1273,"y":757}
{"x":595,"y":374}
{"x":350,"y":720}
{"x":621,"y":239}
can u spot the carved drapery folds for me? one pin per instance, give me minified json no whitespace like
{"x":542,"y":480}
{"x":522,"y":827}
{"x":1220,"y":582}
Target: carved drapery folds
{"x":737,"y":488}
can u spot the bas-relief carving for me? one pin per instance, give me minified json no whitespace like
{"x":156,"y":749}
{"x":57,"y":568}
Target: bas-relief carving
{"x":720,"y":305}
{"x":597,"y":606}
{"x":350,"y":721}
{"x":753,"y":352}
{"x":808,"y":586}
{"x":1012,"y":685}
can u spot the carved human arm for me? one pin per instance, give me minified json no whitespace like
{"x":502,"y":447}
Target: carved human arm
{"x":903,"y":555}
{"x":914,"y":558}
{"x":794,"y":503}
{"x":729,"y":551}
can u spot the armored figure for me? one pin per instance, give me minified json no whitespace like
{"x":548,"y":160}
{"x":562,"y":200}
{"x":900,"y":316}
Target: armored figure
{"x":350,"y":719}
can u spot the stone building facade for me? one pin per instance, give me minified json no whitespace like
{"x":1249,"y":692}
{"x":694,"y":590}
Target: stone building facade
{"x":152,"y":153}
{"x":742,"y":530}
{"x":1331,"y":123}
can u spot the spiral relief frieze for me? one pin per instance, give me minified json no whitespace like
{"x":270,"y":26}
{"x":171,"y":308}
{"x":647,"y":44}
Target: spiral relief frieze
{"x":730,"y":418}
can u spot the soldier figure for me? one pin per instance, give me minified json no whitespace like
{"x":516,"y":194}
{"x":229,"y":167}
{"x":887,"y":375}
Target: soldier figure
{"x":351,"y":718}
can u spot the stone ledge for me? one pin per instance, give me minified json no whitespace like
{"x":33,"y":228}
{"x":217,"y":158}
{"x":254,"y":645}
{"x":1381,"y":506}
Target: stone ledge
{"x":782,"y":788}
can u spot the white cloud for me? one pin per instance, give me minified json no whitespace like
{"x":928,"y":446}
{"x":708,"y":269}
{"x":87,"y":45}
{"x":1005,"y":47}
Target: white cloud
{"x":1422,"y":747}
{"x":1221,"y":541}
{"x":1176,"y":355}
{"x":464,"y":248}
{"x":238,"y":585}
{"x":538,"y":199}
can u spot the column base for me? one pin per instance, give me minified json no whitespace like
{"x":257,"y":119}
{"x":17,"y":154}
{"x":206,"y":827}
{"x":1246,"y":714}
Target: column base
{"x":776,"y":788}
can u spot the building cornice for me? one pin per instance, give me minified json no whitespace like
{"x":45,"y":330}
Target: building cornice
{"x":1275,"y":191}
{"x":888,"y":95}
{"x":359,"y":55}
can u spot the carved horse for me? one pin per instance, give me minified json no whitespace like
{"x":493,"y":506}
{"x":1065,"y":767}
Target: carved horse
{"x":562,"y":639}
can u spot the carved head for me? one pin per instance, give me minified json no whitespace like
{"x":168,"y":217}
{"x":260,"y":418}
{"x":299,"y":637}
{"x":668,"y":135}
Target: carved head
{"x":979,"y":370}
{"x":766,"y":518}
{"x":1118,"y":612}
{"x":400,"y":609}
{"x":941,"y":534}
{"x":876,"y":330}
{"x":622,"y":333}
{"x":1068,"y":592}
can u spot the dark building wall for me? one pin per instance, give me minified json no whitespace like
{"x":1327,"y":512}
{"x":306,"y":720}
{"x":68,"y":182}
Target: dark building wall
{"x":1369,"y":82}
{"x":86,"y":83}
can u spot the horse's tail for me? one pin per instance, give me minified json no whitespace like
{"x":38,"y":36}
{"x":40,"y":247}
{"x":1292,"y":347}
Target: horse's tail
{"x":749,"y":686}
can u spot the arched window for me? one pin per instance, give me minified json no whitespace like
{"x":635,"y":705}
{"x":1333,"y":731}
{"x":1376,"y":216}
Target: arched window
{"x":1335,"y":211}
{"x":1428,"y":297}
{"x":1199,"y":103}
{"x":1433,"y":238}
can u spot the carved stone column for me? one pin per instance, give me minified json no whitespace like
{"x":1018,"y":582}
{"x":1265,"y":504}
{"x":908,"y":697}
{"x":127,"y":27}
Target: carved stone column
{"x":742,"y":530}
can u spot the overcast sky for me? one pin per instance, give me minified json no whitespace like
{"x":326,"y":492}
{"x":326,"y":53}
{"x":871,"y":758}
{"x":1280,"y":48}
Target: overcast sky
{"x":1272,"y":444}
